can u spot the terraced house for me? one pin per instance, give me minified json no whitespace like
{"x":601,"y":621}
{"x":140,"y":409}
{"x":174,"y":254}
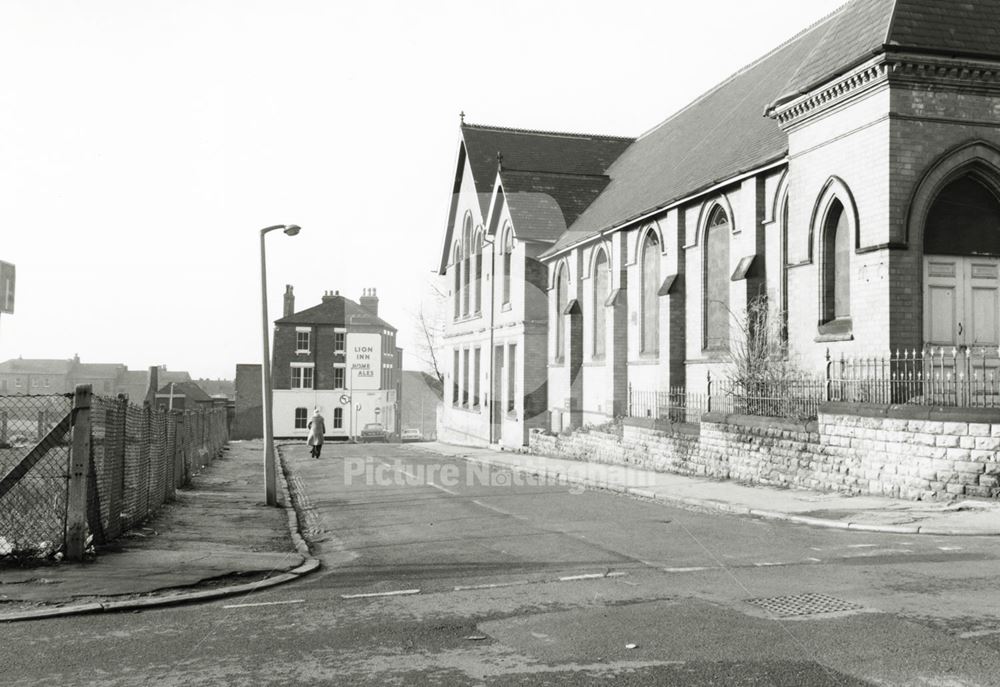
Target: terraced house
{"x":851,"y":175}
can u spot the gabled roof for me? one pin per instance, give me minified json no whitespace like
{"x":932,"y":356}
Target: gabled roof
{"x":544,"y":152}
{"x":189,"y":390}
{"x":336,"y":310}
{"x":725,"y":133}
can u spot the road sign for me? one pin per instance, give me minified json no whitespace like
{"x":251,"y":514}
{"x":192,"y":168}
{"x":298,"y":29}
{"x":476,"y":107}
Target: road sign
{"x":6,"y":287}
{"x":377,"y":411}
{"x":345,"y":400}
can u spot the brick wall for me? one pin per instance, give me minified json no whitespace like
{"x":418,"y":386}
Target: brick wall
{"x":913,"y":454}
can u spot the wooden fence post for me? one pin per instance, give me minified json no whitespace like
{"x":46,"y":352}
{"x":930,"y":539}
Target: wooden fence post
{"x":76,"y":493}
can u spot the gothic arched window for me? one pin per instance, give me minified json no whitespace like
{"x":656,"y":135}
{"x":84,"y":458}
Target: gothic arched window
{"x":717,"y":277}
{"x":836,"y":264}
{"x":650,"y":336}
{"x":562,"y":300}
{"x":602,"y":284}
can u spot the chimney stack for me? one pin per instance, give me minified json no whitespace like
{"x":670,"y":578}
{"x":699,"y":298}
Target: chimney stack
{"x":289,"y":308}
{"x":329,"y":296}
{"x":369,"y":301}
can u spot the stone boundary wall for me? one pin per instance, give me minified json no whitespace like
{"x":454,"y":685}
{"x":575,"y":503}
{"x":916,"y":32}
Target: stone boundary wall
{"x":903,"y":452}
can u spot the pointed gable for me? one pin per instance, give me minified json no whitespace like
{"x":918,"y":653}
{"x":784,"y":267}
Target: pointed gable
{"x":548,"y":177}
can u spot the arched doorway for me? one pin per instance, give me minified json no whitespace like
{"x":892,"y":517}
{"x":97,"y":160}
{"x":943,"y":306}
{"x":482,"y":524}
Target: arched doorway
{"x":962,"y":267}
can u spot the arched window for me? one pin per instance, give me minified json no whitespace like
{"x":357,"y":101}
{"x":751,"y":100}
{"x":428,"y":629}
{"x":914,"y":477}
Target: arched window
{"x":466,"y":262}
{"x":477,"y":285}
{"x":717,"y":277}
{"x":650,"y":297}
{"x":456,"y":268}
{"x":562,"y":300}
{"x":602,"y":283}
{"x":836,"y":264}
{"x":507,"y":248}
{"x":964,"y":220}
{"x":783,"y":258}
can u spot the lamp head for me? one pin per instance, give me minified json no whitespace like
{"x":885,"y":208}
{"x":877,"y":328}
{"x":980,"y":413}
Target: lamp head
{"x":292,"y":229}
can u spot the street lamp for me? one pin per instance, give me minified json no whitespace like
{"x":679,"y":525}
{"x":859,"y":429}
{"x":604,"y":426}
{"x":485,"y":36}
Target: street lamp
{"x":270,"y":474}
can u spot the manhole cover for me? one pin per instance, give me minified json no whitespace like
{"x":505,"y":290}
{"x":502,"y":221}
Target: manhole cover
{"x":803,"y":604}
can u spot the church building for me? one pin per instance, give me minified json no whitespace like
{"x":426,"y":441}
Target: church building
{"x":851,"y":177}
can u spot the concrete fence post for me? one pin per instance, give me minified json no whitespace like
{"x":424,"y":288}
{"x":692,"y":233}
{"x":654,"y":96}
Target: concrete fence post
{"x":76,"y":494}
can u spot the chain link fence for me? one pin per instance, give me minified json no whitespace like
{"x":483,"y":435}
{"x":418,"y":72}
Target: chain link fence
{"x":34,"y":454}
{"x":138,"y":458}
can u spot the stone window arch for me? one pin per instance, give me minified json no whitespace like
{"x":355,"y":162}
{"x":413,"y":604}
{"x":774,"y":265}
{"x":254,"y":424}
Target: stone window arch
{"x":834,"y":234}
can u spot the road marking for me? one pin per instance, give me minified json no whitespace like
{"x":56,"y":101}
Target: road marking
{"x":466,"y":587}
{"x":861,"y":546}
{"x":684,"y":570}
{"x":815,"y":560}
{"x":265,"y":603}
{"x":950,"y":548}
{"x":445,"y":490}
{"x":770,"y":564}
{"x":398,"y":592}
{"x":590,"y":576}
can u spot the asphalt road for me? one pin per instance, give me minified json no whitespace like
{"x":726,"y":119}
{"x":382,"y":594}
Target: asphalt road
{"x":486,"y":578}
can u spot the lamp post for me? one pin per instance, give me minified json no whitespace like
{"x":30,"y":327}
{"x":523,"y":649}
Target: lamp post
{"x":270,"y":474}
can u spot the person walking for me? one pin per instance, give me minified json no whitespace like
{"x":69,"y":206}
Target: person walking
{"x":317,"y":430}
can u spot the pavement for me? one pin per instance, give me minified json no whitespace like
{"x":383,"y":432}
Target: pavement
{"x":216,"y":539}
{"x":821,"y":509}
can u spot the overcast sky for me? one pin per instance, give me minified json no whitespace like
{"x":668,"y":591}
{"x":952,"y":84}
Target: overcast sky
{"x":143,"y":144}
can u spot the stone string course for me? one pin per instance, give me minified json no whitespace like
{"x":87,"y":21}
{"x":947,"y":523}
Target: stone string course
{"x":901,"y":458}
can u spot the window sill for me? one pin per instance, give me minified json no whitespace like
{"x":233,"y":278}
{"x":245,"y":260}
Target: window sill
{"x":301,"y":352}
{"x":506,"y":307}
{"x":835,"y":330}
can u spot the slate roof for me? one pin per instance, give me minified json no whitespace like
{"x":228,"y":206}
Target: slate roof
{"x":336,"y":310}
{"x":548,"y":177}
{"x":725,"y":133}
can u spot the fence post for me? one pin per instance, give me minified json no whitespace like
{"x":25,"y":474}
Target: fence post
{"x":76,"y":495}
{"x":708,"y":387}
{"x":829,"y":377}
{"x":3,"y":426}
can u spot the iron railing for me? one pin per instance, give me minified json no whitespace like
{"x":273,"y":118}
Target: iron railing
{"x":955,"y":377}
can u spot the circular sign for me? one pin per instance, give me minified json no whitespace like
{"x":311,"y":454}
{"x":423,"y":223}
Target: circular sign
{"x":378,"y":410}
{"x":344,"y":400}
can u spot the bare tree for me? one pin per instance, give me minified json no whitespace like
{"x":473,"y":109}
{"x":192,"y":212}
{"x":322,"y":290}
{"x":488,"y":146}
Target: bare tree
{"x":429,"y":321}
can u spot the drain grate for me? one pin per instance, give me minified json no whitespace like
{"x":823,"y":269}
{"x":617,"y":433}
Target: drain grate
{"x":803,"y":604}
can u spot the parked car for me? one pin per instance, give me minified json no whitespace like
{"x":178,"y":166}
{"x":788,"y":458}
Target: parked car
{"x":374,"y":431}
{"x":411,"y":435}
